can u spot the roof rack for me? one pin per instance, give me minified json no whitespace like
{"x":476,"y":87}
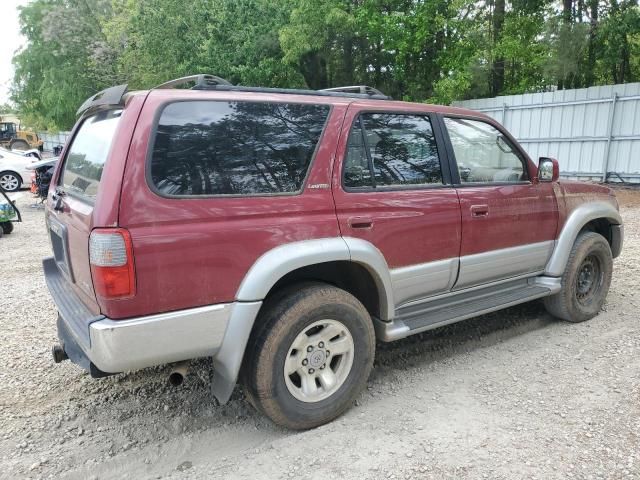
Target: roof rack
{"x":360,"y":89}
{"x":202,"y":82}
{"x":114,"y":95}
{"x":213,"y":82}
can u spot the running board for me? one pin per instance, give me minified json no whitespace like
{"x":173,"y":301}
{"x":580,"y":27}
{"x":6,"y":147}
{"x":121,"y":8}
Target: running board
{"x":453,"y":307}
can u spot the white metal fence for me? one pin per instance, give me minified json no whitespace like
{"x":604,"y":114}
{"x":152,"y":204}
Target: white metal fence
{"x":593,"y":132}
{"x":52,"y":140}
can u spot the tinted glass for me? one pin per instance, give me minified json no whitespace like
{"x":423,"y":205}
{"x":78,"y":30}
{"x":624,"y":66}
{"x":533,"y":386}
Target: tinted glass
{"x":356,"y":166}
{"x":88,"y":153}
{"x":482,"y":153}
{"x":235,"y":148}
{"x":402,"y":149}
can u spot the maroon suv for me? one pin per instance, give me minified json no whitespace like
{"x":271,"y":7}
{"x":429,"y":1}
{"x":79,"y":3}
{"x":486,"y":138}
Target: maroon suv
{"x":281,"y":232}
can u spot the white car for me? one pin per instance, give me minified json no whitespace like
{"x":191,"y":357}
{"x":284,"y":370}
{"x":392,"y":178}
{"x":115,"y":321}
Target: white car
{"x":13,"y":170}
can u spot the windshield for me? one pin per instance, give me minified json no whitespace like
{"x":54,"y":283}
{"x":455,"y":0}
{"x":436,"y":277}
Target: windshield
{"x":88,"y":153}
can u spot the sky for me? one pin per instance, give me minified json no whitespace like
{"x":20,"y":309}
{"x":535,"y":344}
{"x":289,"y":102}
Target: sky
{"x":10,"y":41}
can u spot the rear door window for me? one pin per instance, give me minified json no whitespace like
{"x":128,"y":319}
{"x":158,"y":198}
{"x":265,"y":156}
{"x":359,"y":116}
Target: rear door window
{"x":88,"y":153}
{"x":390,"y":150}
{"x":234,"y":148}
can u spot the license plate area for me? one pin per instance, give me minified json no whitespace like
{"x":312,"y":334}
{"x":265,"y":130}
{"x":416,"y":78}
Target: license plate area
{"x":60,"y":244}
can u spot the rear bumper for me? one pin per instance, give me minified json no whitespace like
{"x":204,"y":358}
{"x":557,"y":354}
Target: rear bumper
{"x":99,"y":344}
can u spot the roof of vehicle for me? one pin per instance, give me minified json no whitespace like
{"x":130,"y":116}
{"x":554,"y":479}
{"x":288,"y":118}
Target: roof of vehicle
{"x":216,"y":87}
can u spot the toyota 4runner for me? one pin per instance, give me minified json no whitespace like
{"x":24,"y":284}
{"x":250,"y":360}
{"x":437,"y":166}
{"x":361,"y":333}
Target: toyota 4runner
{"x":282,"y":232}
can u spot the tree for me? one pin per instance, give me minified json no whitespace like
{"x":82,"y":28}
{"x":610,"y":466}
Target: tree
{"x":419,"y":50}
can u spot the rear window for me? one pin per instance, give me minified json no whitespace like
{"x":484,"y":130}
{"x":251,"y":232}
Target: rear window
{"x":88,"y":153}
{"x":235,"y":148}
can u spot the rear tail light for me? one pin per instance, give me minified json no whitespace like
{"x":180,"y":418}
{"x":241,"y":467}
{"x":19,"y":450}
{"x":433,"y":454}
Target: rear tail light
{"x":112,"y":268}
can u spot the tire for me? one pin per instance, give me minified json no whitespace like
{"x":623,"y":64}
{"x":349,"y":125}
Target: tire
{"x":19,"y":145}
{"x":586,"y":280}
{"x":7,"y":227}
{"x":291,"y":321}
{"x":10,"y":181}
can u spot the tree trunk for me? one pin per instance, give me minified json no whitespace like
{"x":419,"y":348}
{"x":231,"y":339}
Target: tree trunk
{"x":348,"y":61}
{"x":589,"y":76}
{"x":498,"y":62}
{"x":314,"y":70}
{"x":567,"y":11}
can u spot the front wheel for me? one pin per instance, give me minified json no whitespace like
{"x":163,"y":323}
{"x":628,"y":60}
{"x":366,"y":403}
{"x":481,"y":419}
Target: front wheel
{"x":310,"y":356}
{"x":10,"y":181}
{"x":586,"y":280}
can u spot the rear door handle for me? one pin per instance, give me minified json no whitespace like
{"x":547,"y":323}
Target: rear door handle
{"x":479,"y":210}
{"x":360,"y":222}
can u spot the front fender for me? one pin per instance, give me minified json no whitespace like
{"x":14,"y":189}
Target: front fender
{"x":576,"y":221}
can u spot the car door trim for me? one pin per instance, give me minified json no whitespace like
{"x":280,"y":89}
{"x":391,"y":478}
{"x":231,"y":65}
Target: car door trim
{"x":493,"y":265}
{"x":418,"y":281}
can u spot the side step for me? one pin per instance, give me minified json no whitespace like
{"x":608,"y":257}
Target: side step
{"x":453,"y":307}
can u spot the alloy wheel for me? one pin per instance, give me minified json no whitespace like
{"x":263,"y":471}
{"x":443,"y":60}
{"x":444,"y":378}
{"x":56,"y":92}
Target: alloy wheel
{"x":9,"y":182}
{"x":319,"y":361}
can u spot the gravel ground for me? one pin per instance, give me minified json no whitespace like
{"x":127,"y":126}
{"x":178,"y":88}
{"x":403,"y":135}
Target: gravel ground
{"x":513,"y":394}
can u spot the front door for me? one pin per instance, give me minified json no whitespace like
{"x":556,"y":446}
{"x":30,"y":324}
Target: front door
{"x":391,"y":190}
{"x":508,"y":221}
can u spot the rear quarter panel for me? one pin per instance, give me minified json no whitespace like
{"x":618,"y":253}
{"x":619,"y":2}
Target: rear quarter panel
{"x":195,"y":251}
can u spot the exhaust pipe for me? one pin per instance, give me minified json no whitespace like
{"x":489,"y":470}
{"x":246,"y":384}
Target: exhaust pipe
{"x":59,"y":355}
{"x":179,"y":371}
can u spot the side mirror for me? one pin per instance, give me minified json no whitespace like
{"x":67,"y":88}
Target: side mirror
{"x":548,"y":169}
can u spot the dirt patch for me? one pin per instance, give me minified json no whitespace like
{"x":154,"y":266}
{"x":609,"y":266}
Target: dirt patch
{"x":513,"y":394}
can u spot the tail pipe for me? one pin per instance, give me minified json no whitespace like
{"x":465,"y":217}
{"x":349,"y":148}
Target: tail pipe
{"x":59,"y":355}
{"x":178,"y":372}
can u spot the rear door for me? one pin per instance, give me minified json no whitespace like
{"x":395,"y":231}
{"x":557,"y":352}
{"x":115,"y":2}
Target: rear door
{"x":392,"y":188}
{"x":73,"y":200}
{"x":509,"y":220}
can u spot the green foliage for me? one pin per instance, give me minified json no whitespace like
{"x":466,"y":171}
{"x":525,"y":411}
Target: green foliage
{"x":419,"y":50}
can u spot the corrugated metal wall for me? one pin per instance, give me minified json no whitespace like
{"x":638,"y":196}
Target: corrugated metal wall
{"x":590,"y":130}
{"x":51,"y":140}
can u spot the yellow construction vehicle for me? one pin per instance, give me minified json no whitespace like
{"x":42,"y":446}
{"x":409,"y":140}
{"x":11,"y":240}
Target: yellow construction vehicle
{"x":15,"y":139}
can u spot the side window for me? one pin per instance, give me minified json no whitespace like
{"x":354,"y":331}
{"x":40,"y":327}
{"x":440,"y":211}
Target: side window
{"x":356,"y":168}
{"x":483,"y":154}
{"x":399,"y":149}
{"x":235,"y":148}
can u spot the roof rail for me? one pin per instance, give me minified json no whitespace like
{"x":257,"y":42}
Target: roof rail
{"x":213,"y":82}
{"x":202,"y":82}
{"x":360,"y":89}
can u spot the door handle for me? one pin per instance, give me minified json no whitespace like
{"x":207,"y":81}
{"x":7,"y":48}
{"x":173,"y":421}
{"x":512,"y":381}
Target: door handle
{"x":479,"y":210}
{"x":360,"y":222}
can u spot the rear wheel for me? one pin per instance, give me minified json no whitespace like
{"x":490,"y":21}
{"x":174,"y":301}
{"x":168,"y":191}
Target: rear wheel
{"x":586,"y":280}
{"x":7,"y":227}
{"x":310,"y":357}
{"x":10,"y":181}
{"x":19,"y":145}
